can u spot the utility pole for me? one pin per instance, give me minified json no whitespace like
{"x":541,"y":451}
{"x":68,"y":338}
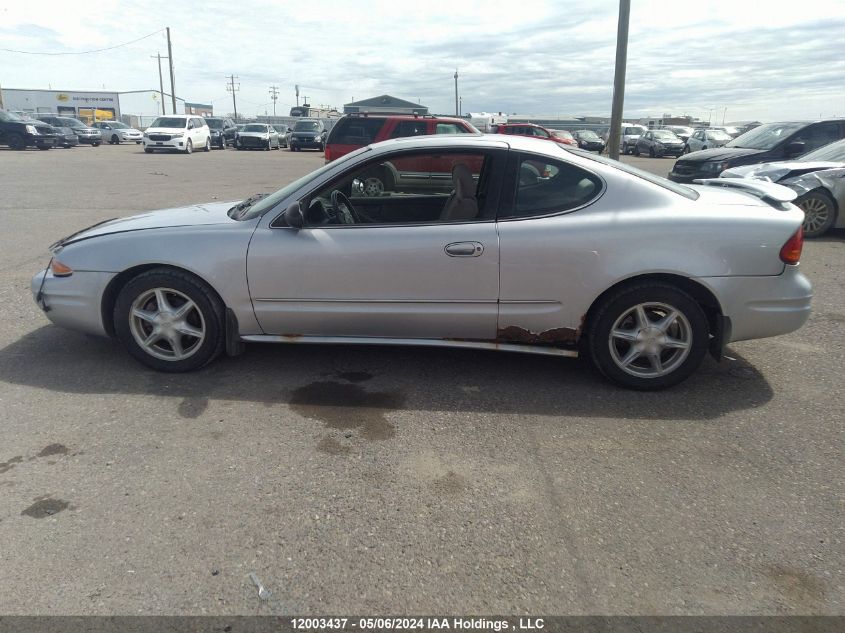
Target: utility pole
{"x":161,"y":81}
{"x":457,"y":107}
{"x":619,"y":79}
{"x":274,"y":94}
{"x":172,"y":80}
{"x":231,"y":87}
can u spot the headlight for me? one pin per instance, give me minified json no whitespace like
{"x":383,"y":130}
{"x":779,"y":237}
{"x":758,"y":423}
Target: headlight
{"x":30,"y":129}
{"x":177,"y":134}
{"x":146,"y":135}
{"x":714,"y":167}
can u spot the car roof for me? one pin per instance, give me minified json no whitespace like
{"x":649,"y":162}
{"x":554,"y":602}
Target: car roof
{"x":477,"y":141}
{"x":411,"y":117}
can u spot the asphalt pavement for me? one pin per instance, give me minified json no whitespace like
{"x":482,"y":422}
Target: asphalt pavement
{"x":396,"y":480}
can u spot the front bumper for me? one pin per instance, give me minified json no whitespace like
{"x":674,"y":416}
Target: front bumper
{"x":91,"y":139}
{"x":173,"y":143}
{"x":40,"y":140}
{"x":311,"y":142}
{"x":67,"y":141}
{"x":759,"y":307}
{"x":72,"y":302}
{"x":253,"y":141}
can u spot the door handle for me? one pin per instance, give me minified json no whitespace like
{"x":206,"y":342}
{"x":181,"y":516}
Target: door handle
{"x":464,"y":249}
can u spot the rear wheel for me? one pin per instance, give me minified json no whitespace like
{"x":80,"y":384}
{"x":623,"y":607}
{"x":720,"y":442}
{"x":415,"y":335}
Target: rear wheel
{"x":648,"y":336}
{"x":16,"y":142}
{"x":819,"y":212}
{"x":170,"y":320}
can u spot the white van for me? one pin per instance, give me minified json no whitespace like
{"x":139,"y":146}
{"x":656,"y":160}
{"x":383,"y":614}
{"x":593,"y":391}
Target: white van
{"x":182,"y":132}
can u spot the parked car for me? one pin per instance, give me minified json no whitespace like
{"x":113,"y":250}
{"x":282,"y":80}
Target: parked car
{"x":223,"y":131}
{"x":629,"y":137}
{"x":308,"y":134}
{"x":258,"y":136}
{"x":354,"y":131}
{"x":659,"y":143}
{"x":283,"y":130}
{"x":766,"y":143}
{"x":65,"y":137}
{"x":533,"y":130}
{"x":730,"y":130}
{"x":589,"y":140}
{"x":819,"y":180}
{"x":705,"y":138}
{"x":115,"y":132}
{"x":491,"y":255}
{"x":683,"y":132}
{"x":180,"y":132}
{"x":85,"y":133}
{"x":565,"y":137}
{"x":20,"y":133}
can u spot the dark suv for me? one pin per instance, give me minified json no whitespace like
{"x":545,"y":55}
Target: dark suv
{"x":763,"y":144}
{"x":358,"y":130}
{"x":85,"y":133}
{"x":20,"y":133}
{"x":223,"y":131}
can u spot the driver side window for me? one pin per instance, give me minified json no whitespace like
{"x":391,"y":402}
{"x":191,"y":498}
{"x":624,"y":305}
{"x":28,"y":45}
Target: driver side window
{"x":435,"y":186}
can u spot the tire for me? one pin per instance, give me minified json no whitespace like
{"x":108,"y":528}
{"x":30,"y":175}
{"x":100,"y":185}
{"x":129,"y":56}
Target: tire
{"x":703,"y":147}
{"x":198,"y":334}
{"x":377,"y":182}
{"x":819,"y":212}
{"x":615,"y":356}
{"x":269,"y":145}
{"x":189,"y":147}
{"x":636,"y":150}
{"x":651,"y":153}
{"x":16,"y":142}
{"x":137,"y":142}
{"x":95,"y":144}
{"x":44,"y":148}
{"x":114,"y":140}
{"x":207,"y":144}
{"x":148,"y":150}
{"x":686,"y":149}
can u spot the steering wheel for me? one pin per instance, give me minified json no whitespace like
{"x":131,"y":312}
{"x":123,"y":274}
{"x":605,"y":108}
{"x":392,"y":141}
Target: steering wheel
{"x":343,"y":210}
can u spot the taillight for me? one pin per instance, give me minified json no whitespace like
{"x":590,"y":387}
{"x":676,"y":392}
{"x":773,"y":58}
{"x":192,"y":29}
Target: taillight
{"x":328,"y":153}
{"x":790,"y":253}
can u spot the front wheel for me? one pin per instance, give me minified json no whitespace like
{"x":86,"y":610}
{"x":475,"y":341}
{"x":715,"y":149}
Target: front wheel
{"x":189,"y":147}
{"x":636,"y":150}
{"x":95,"y":144}
{"x":819,"y":212}
{"x":16,"y":142}
{"x":115,"y":140}
{"x":207,"y":144}
{"x":648,"y":336}
{"x":170,"y":320}
{"x":148,"y":150}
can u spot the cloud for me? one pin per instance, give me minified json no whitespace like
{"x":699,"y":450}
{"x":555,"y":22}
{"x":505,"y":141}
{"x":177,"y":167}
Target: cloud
{"x":556,"y":58}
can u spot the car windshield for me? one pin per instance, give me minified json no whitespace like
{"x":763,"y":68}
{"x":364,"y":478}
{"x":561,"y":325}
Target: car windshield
{"x":215,"y":124}
{"x":67,"y":122}
{"x":8,"y":116}
{"x":169,"y":121}
{"x":633,"y":131}
{"x":718,"y":135}
{"x":765,"y":136}
{"x":587,"y":134}
{"x":268,"y":202}
{"x":687,"y":192}
{"x":665,"y":135}
{"x":255,"y":128}
{"x":562,"y":134}
{"x":305,"y":126}
{"x":116,"y":125}
{"x":834,"y":152}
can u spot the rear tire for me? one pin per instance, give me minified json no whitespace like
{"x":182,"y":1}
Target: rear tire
{"x":819,"y":212}
{"x":148,"y":322}
{"x":16,"y":142}
{"x":648,"y":336}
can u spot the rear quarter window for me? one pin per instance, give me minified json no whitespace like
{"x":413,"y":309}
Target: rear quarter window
{"x":355,"y":131}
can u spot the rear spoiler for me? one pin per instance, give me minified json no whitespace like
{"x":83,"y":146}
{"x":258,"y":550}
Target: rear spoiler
{"x":769,"y":192}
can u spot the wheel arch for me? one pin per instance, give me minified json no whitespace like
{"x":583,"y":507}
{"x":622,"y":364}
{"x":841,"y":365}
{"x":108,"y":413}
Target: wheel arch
{"x":702,"y":295}
{"x":114,"y":287}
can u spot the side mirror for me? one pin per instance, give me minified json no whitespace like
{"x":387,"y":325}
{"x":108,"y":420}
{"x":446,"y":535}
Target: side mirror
{"x":294,"y":217}
{"x":794,"y":148}
{"x":190,"y":125}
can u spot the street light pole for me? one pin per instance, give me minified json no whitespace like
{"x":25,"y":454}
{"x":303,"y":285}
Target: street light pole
{"x":172,"y":80}
{"x":619,"y":78}
{"x":457,"y":107}
{"x":274,"y":94}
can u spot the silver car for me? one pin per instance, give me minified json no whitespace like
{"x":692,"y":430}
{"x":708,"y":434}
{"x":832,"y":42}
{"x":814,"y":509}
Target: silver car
{"x":257,"y":136}
{"x":818,"y":179}
{"x":481,"y":241}
{"x":704,"y":138}
{"x":114,"y":132}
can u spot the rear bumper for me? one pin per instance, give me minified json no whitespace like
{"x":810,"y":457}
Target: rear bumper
{"x":72,"y":302}
{"x":758,"y":307}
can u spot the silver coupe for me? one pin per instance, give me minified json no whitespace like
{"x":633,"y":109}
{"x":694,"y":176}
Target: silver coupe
{"x":512,"y":244}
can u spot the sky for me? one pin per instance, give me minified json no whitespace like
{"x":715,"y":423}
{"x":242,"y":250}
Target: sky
{"x":738,"y":60}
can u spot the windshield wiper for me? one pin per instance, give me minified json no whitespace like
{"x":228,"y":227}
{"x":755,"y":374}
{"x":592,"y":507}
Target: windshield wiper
{"x":242,"y":206}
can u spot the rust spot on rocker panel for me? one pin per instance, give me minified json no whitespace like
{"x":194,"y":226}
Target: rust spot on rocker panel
{"x":555,"y":336}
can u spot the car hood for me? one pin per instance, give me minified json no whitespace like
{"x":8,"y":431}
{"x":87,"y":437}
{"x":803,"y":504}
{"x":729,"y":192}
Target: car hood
{"x":165,"y":130}
{"x":779,"y":170}
{"x":720,"y":153}
{"x":253,"y":133}
{"x":306,"y":133}
{"x":195,"y":215}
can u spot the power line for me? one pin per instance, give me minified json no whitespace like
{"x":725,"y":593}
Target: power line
{"x":97,"y":50}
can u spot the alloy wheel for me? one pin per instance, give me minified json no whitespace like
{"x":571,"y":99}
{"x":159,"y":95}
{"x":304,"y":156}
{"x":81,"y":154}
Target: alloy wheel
{"x":167,"y":324}
{"x":816,"y":214}
{"x":650,"y":340}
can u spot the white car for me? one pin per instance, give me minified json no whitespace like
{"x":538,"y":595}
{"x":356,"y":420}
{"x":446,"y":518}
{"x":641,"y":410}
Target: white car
{"x":114,"y":132}
{"x":182,"y":132}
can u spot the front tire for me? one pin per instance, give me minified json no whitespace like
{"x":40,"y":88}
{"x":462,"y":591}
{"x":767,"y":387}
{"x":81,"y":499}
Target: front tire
{"x":189,"y":147}
{"x":648,"y":336}
{"x":148,"y":150}
{"x":114,"y":140}
{"x":636,"y":150}
{"x":16,"y":142}
{"x":819,"y":212}
{"x":170,"y":320}
{"x":207,"y":144}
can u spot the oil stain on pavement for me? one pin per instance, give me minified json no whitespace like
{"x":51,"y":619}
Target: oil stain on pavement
{"x":45,"y":507}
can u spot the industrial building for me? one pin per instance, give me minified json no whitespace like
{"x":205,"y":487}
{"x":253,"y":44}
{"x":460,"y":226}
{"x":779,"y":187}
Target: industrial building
{"x":385,"y":103}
